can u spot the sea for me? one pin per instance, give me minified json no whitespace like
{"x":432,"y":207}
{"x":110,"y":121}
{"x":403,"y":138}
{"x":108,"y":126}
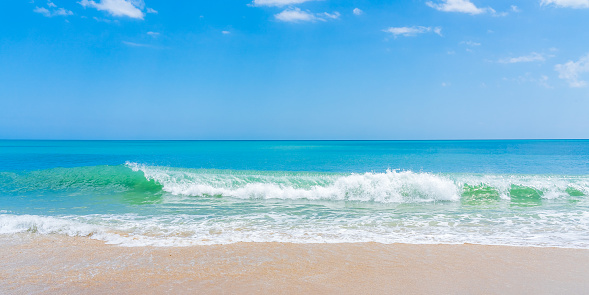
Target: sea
{"x":182,"y":193}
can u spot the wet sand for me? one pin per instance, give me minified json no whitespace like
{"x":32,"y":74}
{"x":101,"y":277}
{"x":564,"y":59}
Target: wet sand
{"x":33,"y":264}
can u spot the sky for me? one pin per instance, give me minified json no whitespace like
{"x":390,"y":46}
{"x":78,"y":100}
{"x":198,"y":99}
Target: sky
{"x":294,"y":69}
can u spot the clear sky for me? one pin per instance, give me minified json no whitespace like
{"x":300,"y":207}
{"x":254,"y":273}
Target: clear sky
{"x":294,"y":69}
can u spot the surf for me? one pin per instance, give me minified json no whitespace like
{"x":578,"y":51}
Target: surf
{"x":390,"y":186}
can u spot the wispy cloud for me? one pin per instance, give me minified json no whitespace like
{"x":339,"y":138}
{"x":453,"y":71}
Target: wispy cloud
{"x":412,"y":31}
{"x":225,"y":32}
{"x":567,"y":3}
{"x":54,"y":10}
{"x":328,"y":15}
{"x":297,"y":15}
{"x":153,"y":34}
{"x":358,"y":11}
{"x":463,"y":6}
{"x":542,"y":80}
{"x":277,"y":2}
{"x":128,"y":8}
{"x":470,"y":43}
{"x":534,"y":56}
{"x":133,"y":44}
{"x":42,"y":10}
{"x":572,"y":70}
{"x":151,"y":10}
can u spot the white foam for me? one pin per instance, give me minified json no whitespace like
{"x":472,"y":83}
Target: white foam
{"x":388,"y":187}
{"x":12,"y":224}
{"x":543,"y":228}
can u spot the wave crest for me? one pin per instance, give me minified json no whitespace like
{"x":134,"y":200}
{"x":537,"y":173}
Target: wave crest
{"x":388,"y":187}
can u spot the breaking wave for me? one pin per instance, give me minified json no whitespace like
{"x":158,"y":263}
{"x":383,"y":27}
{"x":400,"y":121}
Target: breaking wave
{"x":385,"y":187}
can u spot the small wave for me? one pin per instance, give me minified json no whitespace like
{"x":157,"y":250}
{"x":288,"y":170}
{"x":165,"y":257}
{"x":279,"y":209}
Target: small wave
{"x":95,"y":178}
{"x":11,"y":224}
{"x":521,"y":187}
{"x":543,"y":229}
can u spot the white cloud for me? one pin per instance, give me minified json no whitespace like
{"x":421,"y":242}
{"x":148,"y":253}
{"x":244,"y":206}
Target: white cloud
{"x":297,"y":15}
{"x":464,"y":6}
{"x":358,"y":11}
{"x":151,"y":10}
{"x":571,"y":71}
{"x":515,"y":8}
{"x":153,"y":34}
{"x":51,"y":4}
{"x":567,"y":3}
{"x":225,"y":32}
{"x":62,"y":12}
{"x":129,"y":8}
{"x":55,"y":12}
{"x":412,"y":31}
{"x":42,"y":10}
{"x":534,"y":56}
{"x":133,"y":44}
{"x":277,"y":2}
{"x":334,"y":15}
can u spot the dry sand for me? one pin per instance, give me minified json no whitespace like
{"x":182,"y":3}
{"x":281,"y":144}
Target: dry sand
{"x":32,"y":264}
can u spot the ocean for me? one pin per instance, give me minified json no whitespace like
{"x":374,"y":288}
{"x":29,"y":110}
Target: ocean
{"x":182,"y":193}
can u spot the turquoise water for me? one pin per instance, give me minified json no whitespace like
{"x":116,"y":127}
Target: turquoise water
{"x":177,"y":193}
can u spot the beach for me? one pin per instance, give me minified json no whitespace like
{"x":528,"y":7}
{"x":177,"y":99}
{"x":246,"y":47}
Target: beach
{"x":52,"y":264}
{"x":151,"y":217}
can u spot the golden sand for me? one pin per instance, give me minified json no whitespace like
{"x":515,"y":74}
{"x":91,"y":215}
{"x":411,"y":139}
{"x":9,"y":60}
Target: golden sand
{"x":65,"y":265}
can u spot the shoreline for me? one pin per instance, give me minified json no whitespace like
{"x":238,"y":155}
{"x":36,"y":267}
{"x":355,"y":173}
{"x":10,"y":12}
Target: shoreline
{"x":54,"y":264}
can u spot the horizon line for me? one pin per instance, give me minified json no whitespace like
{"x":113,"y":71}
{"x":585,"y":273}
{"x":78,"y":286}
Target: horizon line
{"x":484,"y":139}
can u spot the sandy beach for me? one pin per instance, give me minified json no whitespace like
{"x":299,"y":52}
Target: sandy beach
{"x":33,"y":264}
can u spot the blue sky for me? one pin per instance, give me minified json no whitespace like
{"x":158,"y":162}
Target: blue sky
{"x":294,"y":69}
